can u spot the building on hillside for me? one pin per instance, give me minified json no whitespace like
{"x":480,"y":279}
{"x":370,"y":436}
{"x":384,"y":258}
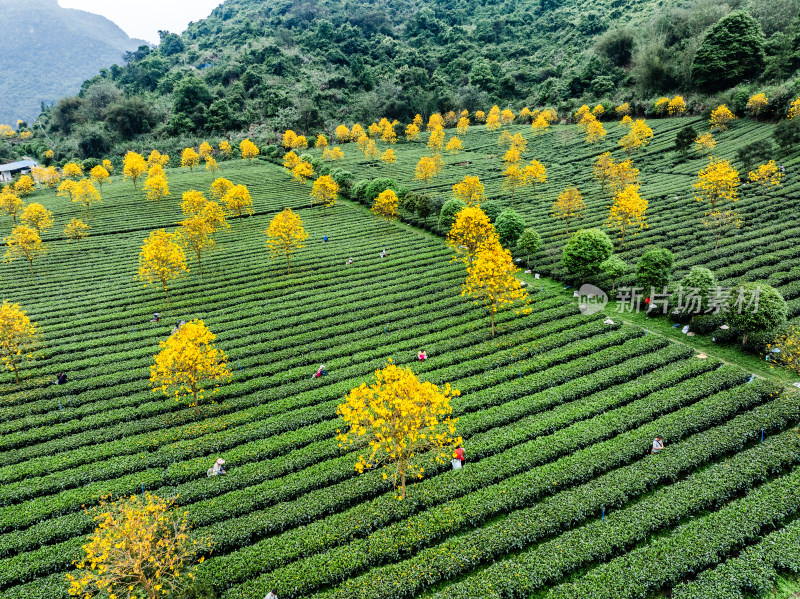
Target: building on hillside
{"x":12,"y":169}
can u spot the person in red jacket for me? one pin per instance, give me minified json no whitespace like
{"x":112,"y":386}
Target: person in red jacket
{"x":458,"y":458}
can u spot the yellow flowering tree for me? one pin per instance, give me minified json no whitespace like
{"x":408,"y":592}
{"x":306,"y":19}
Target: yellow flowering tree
{"x":427,"y":168}
{"x":794,"y":109}
{"x":568,"y":205}
{"x":342,"y":134}
{"x":158,"y":158}
{"x":721,"y":117}
{"x":704,"y":143}
{"x":157,"y":187}
{"x":493,"y":122}
{"x":388,"y":157}
{"x":324,"y":191}
{"x":162,"y":259}
{"x":677,"y":106}
{"x":134,"y":166}
{"x":371,"y":151}
{"x":248,"y":149}
{"x":595,"y":131}
{"x":454,"y":146}
{"x":627,"y":212}
{"x":195,"y":235}
{"x":107,"y":165}
{"x":220,"y":187}
{"x":400,"y":418}
{"x":11,"y":204}
{"x":757,"y":103}
{"x":661,"y":105}
{"x":18,"y":337}
{"x":303,"y":171}
{"x":463,"y":125}
{"x":540,"y":124}
{"x":99,"y":175}
{"x":321,"y":141}
{"x":37,"y":216}
{"x":623,"y":109}
{"x":188,"y":363}
{"x":637,"y":137}
{"x":286,"y":235}
{"x":211,"y":165}
{"x":535,"y":174}
{"x":436,"y":140}
{"x":480,"y":116}
{"x":356,"y":132}
{"x":72,"y":170}
{"x":492,"y":281}
{"x":386,"y":205}
{"x":412,"y":131}
{"x":602,"y":168}
{"x":237,"y":201}
{"x":140,"y":548}
{"x":24,"y":186}
{"x":86,"y":194}
{"x":333,"y":154}
{"x":471,"y":231}
{"x":717,"y":183}
{"x":623,"y":174}
{"x":470,"y":190}
{"x":720,"y":223}
{"x":190,"y":158}
{"x":75,"y":230}
{"x":766,"y":175}
{"x":225,"y":147}
{"x":24,"y":242}
{"x":205,"y":150}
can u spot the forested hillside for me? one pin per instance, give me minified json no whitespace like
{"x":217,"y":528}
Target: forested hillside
{"x":47,"y":51}
{"x":262,"y":66}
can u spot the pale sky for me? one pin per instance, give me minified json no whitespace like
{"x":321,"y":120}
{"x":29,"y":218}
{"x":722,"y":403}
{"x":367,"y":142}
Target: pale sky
{"x":143,"y":18}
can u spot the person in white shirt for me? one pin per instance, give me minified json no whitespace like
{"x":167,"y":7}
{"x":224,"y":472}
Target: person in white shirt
{"x":217,"y":468}
{"x":271,"y":595}
{"x":658,"y":445}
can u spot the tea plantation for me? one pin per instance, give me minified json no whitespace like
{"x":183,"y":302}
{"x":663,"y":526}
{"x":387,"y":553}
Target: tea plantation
{"x":559,"y":496}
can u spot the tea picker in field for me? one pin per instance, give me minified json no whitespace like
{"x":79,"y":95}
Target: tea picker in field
{"x":217,"y":468}
{"x":271,"y":595}
{"x":458,"y":458}
{"x":658,"y":445}
{"x":61,"y":378}
{"x":156,"y":317}
{"x":383,"y":253}
{"x":320,"y":372}
{"x":422,"y":355}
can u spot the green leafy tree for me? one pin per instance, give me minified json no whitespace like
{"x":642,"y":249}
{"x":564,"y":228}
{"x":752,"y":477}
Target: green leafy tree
{"x":493,"y":209}
{"x":585,"y":251}
{"x":509,"y":226}
{"x":684,"y":139}
{"x":615,"y":267}
{"x":732,"y":51}
{"x":448,"y":213}
{"x":654,"y":269}
{"x":700,"y":282}
{"x":766,"y":317}
{"x":529,"y":243}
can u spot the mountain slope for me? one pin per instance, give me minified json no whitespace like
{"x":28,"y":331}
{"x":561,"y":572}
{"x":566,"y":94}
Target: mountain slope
{"x":51,"y":52}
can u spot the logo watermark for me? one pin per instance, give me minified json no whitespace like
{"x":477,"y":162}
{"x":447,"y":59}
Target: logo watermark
{"x":687,"y":301}
{"x":591,"y":299}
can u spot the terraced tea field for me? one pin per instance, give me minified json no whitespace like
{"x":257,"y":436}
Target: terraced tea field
{"x":558,"y":498}
{"x":763,"y":249}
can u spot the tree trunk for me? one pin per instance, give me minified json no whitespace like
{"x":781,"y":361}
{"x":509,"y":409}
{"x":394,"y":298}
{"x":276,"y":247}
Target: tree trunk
{"x":492,"y":323}
{"x":14,"y":368}
{"x":30,"y":263}
{"x":199,"y":266}
{"x":622,"y":241}
{"x":287,"y":263}
{"x":744,"y":338}
{"x":196,"y":404}
{"x":164,"y":283}
{"x":403,"y":484}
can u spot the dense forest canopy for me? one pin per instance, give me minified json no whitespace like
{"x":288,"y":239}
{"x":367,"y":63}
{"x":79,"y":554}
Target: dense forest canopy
{"x":310,"y":64}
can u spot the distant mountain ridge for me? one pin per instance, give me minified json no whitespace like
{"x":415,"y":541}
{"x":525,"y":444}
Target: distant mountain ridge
{"x":49,"y":51}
